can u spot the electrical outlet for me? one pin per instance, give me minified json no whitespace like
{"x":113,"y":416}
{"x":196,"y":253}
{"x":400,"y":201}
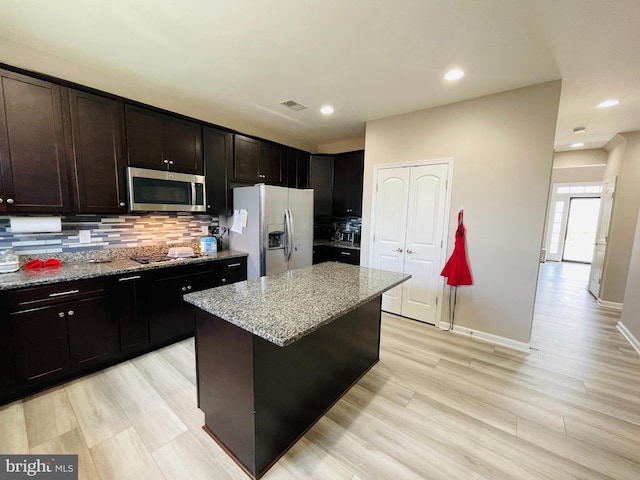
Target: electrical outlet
{"x":204,"y":230}
{"x":84,"y":236}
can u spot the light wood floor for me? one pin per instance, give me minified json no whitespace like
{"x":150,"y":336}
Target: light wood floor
{"x":437,"y":405}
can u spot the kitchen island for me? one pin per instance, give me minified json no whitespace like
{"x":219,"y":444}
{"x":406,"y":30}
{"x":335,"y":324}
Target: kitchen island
{"x":274,"y":354}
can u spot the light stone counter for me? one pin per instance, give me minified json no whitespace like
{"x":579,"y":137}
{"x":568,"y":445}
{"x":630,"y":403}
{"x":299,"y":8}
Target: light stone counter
{"x":285,"y":307}
{"x":83,"y":270}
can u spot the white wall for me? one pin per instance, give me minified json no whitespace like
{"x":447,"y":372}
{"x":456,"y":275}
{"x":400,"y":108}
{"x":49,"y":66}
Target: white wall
{"x":579,"y":166}
{"x":630,"y":316}
{"x":502,"y":147}
{"x":624,"y":160}
{"x":341,"y":147}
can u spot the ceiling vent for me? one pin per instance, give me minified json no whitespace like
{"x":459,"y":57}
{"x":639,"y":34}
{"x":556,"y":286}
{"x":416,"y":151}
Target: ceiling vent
{"x":293,"y":105}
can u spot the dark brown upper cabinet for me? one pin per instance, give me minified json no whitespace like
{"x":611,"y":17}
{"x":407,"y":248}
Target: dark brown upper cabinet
{"x":297,"y":168}
{"x":159,"y":141}
{"x":218,"y":163}
{"x":259,"y":162}
{"x":99,"y":168}
{"x":33,"y":156}
{"x":348,"y":171}
{"x":321,"y":180}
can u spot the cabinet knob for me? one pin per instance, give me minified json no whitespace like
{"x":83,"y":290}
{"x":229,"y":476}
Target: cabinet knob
{"x":165,"y":161}
{"x":61,"y":314}
{"x":71,"y":313}
{"x":224,"y":280}
{"x":170,"y":162}
{"x":188,"y":287}
{"x":10,"y":201}
{"x":1,"y":200}
{"x":122,"y":204}
{"x":184,"y":289}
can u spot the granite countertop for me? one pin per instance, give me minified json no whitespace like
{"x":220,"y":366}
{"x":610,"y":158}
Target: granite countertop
{"x":85,"y":269}
{"x":285,"y":307}
{"x":336,"y":244}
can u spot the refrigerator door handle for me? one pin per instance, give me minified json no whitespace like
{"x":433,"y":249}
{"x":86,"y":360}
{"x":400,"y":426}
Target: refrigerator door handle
{"x":286,"y":235}
{"x":289,"y":239}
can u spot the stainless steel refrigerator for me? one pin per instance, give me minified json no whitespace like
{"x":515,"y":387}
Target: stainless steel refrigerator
{"x":279,"y":232}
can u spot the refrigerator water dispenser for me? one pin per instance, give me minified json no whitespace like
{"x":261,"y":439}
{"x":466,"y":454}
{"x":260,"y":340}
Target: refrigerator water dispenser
{"x":276,"y":236}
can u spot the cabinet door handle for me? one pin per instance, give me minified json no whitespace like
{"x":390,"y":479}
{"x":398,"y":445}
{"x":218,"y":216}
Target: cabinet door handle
{"x":345,"y":253}
{"x":126,"y":279}
{"x":60,"y":294}
{"x":233,"y":265}
{"x":61,"y":314}
{"x":10,"y":201}
{"x":71,"y":313}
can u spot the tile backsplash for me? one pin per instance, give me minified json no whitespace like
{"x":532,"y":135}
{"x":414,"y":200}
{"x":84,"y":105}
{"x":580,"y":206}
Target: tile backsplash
{"x":108,"y":231}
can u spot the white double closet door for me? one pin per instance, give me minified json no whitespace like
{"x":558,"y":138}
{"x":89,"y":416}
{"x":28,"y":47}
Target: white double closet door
{"x":409,"y":225}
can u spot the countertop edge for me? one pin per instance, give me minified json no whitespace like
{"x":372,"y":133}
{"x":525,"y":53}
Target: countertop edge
{"x":190,"y":298}
{"x":132,"y":267}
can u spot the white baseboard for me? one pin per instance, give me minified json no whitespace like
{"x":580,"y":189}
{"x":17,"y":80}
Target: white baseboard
{"x":488,"y":337}
{"x":635,"y":343}
{"x":610,"y":305}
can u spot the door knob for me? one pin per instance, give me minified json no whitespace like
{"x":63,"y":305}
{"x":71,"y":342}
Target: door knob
{"x":399,"y":250}
{"x":410,"y":251}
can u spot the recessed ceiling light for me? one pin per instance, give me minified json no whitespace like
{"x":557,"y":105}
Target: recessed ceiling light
{"x":327,"y":110}
{"x":454,"y":74}
{"x":577,"y":145}
{"x":612,"y":102}
{"x":579,"y":129}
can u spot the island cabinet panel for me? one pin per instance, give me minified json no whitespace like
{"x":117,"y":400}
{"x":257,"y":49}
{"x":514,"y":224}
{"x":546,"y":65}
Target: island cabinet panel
{"x":259,"y":398}
{"x":96,"y":124}
{"x":158,"y":141}
{"x":33,"y":154}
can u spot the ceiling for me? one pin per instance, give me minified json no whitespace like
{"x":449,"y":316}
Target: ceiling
{"x":369,"y":59}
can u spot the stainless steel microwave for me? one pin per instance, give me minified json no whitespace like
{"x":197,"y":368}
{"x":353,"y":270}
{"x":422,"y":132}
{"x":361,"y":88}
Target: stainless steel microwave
{"x":158,"y":190}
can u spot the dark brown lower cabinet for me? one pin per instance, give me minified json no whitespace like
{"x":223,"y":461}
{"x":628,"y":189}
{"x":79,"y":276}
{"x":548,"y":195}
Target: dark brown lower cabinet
{"x":93,"y":331}
{"x":52,"y":333}
{"x":58,"y":329}
{"x":41,"y":344}
{"x":134,"y":325}
{"x":328,"y":253}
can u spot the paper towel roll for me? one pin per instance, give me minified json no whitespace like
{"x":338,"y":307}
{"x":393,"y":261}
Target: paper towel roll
{"x":35,"y":224}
